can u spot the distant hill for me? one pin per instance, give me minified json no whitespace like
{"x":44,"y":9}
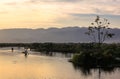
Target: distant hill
{"x":62,"y":35}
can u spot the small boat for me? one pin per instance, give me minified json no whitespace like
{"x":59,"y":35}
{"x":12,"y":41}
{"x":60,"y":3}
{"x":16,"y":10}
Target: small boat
{"x":23,"y":52}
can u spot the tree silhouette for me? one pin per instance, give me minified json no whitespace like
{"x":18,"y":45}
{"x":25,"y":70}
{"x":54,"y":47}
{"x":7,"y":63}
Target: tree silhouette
{"x":99,"y":30}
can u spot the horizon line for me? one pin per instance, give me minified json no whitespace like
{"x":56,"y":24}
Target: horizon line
{"x":55,"y":28}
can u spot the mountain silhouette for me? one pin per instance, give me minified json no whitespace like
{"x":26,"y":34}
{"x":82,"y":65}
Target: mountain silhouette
{"x":56,"y":35}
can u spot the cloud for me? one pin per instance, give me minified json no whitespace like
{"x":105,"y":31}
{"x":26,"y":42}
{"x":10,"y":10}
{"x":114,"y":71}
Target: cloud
{"x":60,"y":12}
{"x":86,"y":19}
{"x":11,"y":3}
{"x":3,"y":12}
{"x":72,"y":6}
{"x":34,"y":1}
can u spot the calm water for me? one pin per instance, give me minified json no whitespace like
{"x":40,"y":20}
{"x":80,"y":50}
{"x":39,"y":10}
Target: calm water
{"x":13,"y":65}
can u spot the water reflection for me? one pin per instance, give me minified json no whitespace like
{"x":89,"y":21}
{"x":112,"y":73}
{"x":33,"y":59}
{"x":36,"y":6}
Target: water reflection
{"x":46,"y":66}
{"x":55,"y":54}
{"x":26,"y":55}
{"x":87,"y":71}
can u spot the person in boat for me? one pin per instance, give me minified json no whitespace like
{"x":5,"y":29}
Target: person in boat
{"x":12,"y":49}
{"x":26,"y":52}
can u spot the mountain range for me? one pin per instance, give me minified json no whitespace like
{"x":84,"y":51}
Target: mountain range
{"x":55,"y":35}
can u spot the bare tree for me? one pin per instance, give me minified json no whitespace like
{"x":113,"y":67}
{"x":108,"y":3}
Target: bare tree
{"x":99,"y":30}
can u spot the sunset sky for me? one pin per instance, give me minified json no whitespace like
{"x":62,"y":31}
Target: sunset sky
{"x":56,"y":13}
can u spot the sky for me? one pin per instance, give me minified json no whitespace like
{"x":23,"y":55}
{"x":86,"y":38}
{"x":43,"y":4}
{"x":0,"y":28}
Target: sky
{"x":57,"y":13}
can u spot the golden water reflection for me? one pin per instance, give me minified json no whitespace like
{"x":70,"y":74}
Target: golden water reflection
{"x":16,"y":66}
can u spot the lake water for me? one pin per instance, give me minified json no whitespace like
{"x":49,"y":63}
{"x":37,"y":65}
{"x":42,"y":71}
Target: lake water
{"x":14,"y":65}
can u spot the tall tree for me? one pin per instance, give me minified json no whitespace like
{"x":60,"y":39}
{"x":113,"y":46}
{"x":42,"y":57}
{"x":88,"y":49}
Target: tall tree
{"x":99,"y":30}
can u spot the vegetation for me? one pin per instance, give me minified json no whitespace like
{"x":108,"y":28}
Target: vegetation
{"x":108,"y":56}
{"x":56,"y":47}
{"x":99,"y":30}
{"x":15,"y":44}
{"x":100,"y":55}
